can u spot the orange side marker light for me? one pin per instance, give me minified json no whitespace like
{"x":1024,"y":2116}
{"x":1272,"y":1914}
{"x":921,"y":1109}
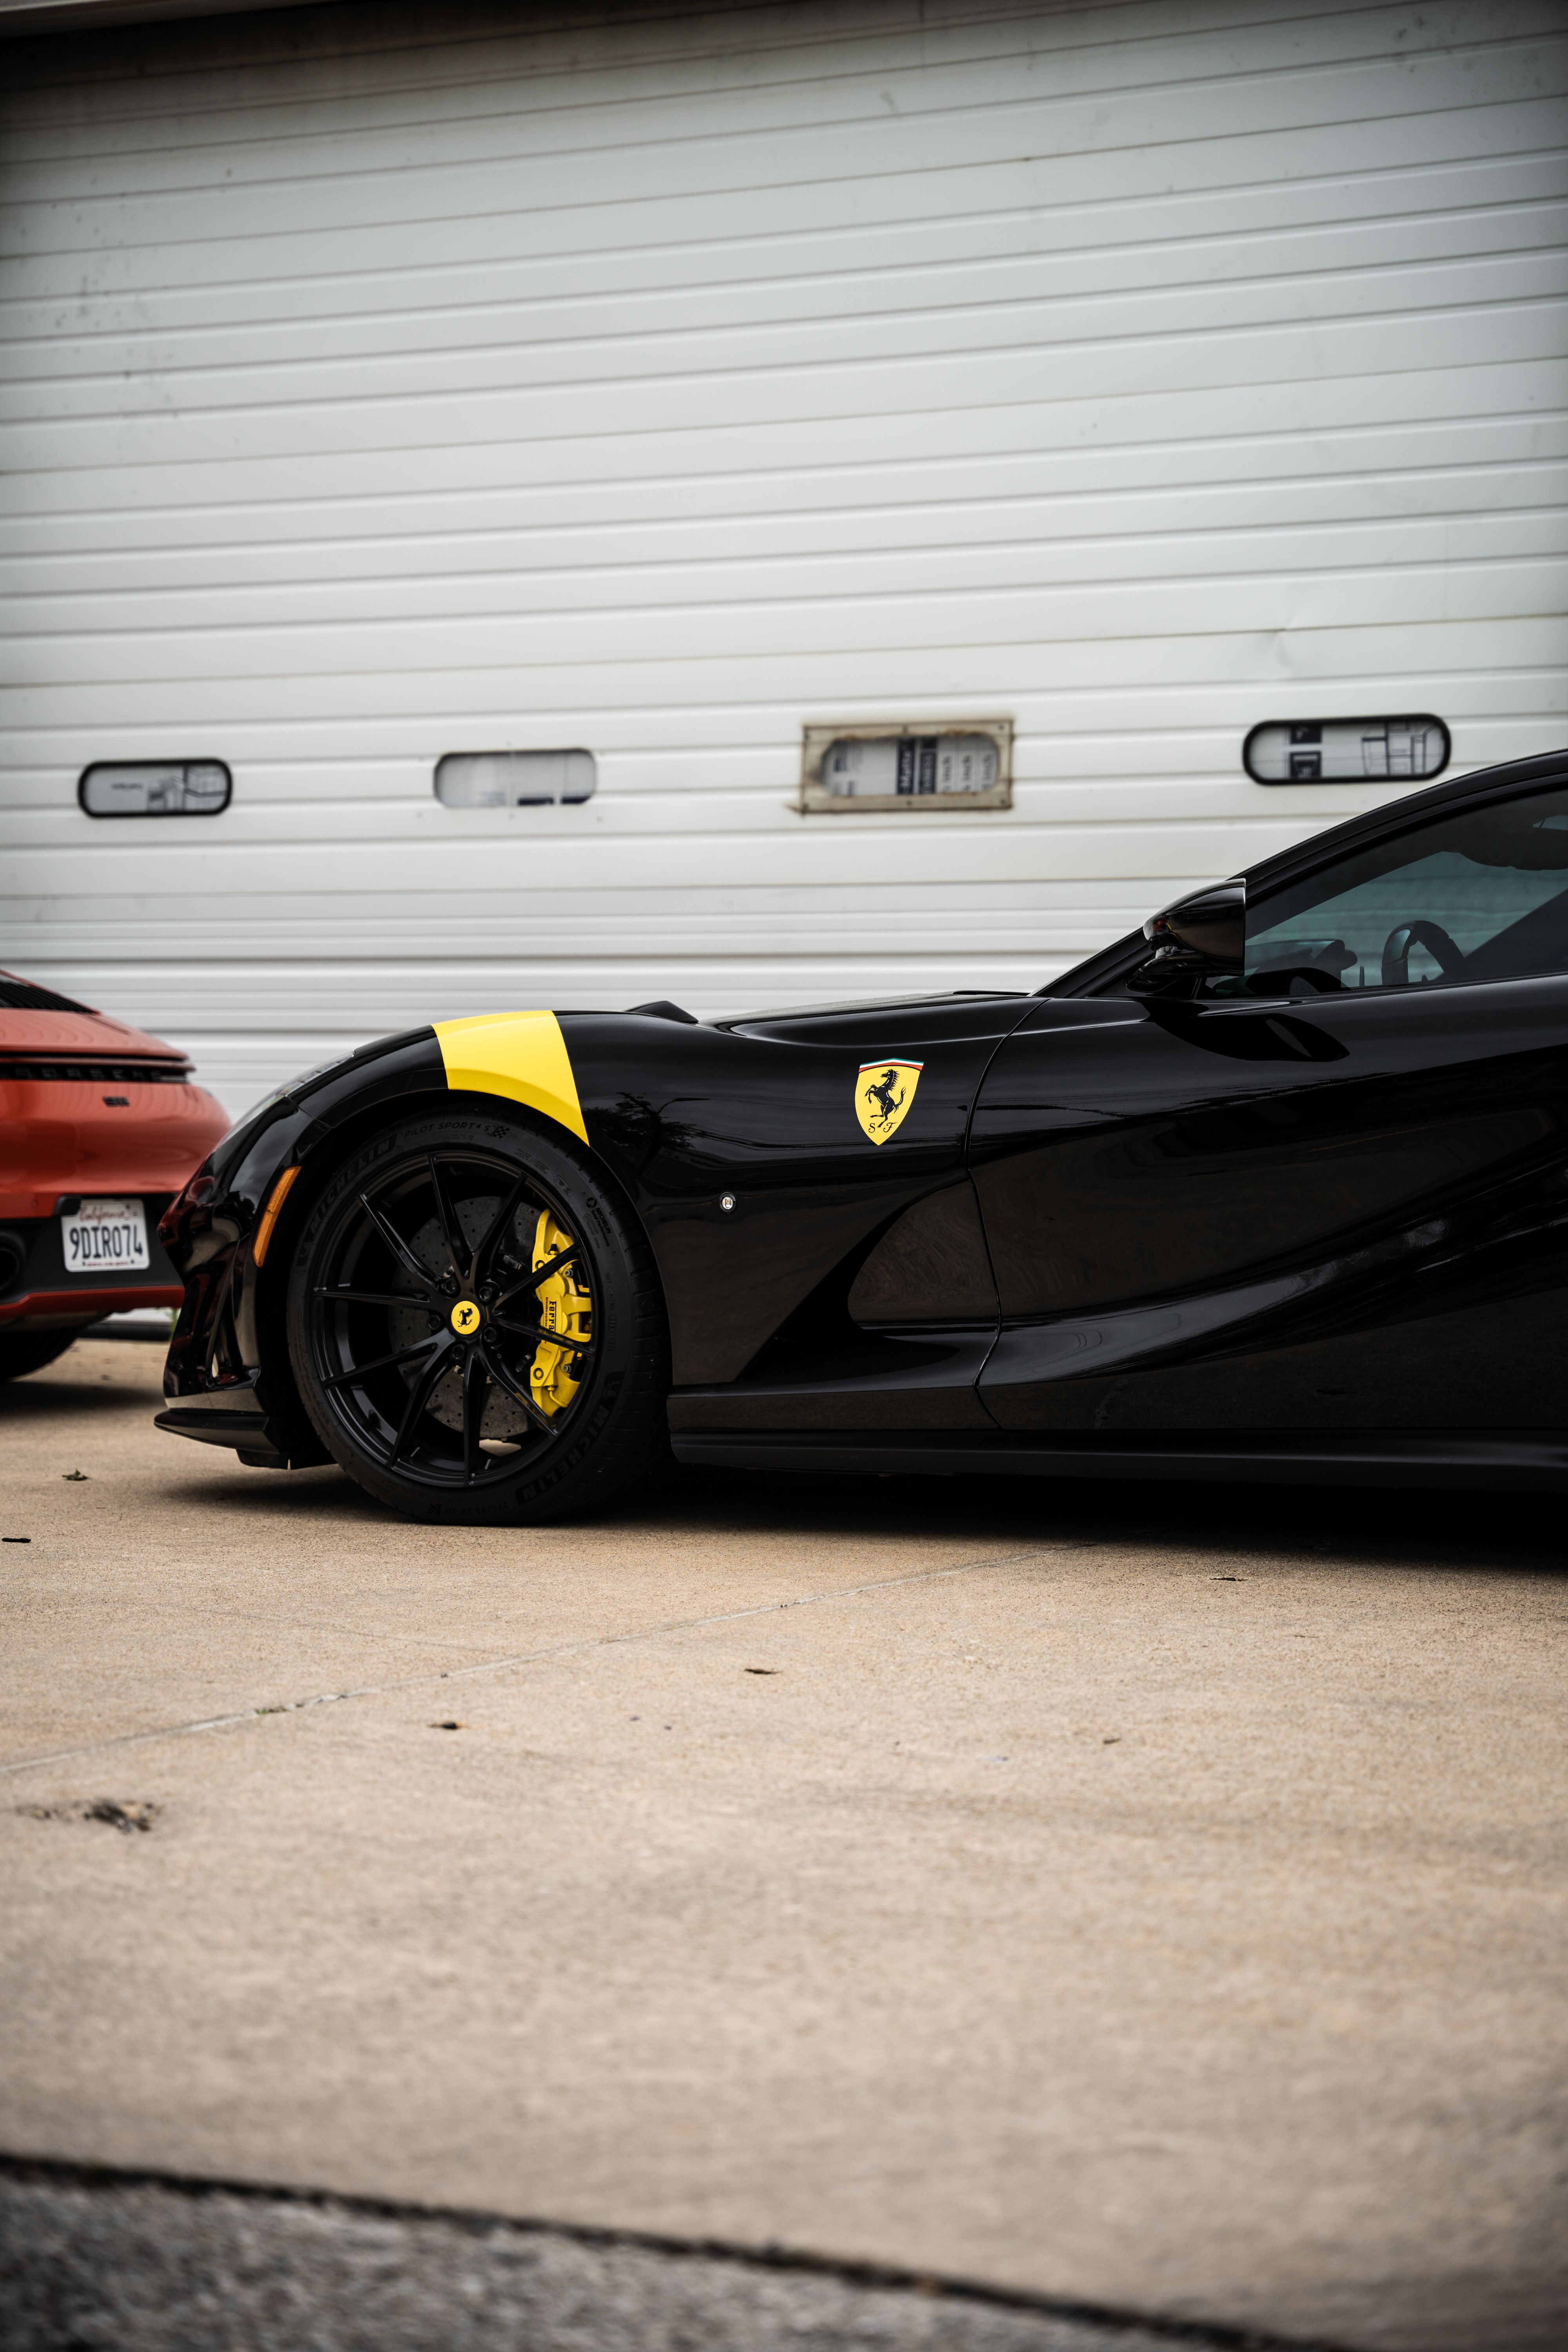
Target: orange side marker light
{"x":280,"y":1193}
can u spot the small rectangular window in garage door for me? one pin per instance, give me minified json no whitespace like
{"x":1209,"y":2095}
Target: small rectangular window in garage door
{"x":156,"y":788}
{"x":515,"y":779}
{"x":962,"y":764}
{"x":1337,"y":750}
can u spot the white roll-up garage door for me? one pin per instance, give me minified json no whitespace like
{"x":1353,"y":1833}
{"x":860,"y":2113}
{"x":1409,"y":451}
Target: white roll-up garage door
{"x":395,"y":387}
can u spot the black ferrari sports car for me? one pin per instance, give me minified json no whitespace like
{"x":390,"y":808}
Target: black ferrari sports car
{"x":1276,"y":1187}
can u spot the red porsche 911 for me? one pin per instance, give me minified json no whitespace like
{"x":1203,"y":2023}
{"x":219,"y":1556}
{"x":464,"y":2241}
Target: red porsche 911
{"x":100,"y":1127}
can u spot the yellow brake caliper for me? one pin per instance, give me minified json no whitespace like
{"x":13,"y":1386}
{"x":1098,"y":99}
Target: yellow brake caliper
{"x":564,"y":1307}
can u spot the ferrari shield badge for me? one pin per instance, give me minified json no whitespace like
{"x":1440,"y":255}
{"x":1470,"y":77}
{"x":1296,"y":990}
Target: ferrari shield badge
{"x":883,"y":1093}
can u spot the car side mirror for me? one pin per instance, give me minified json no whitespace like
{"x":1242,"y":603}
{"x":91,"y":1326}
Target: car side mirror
{"x":1205,"y":933}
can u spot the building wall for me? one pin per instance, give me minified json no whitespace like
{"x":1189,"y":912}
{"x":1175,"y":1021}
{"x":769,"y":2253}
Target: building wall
{"x":393,"y":382}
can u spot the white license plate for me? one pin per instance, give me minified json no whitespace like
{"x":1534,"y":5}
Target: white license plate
{"x":105,"y":1237}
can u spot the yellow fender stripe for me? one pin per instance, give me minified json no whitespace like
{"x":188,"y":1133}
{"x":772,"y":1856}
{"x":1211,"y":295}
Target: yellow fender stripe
{"x":521,"y":1056}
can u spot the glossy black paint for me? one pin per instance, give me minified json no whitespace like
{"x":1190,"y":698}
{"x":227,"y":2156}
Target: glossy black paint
{"x":1151,"y":1232}
{"x":1527,"y":1461}
{"x":1350,"y":1214}
{"x":679,"y":1115}
{"x":226,"y":1375}
{"x":758,"y":1296}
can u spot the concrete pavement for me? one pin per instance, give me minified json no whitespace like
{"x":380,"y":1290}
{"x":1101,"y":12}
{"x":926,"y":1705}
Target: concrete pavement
{"x":1146,"y":1895}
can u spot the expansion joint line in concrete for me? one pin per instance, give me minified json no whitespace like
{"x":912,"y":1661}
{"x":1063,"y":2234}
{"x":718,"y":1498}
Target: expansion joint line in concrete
{"x":524,"y":1658}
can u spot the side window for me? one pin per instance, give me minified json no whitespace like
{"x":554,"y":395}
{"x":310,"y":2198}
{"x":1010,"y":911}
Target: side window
{"x":1481,"y":896}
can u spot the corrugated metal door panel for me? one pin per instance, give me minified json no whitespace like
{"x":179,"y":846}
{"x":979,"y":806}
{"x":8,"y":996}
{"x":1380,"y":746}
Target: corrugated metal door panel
{"x":1474,"y":528}
{"x":577,"y":134}
{"x":359,"y":225}
{"x":1453,"y":205}
{"x":1154,"y":433}
{"x":1106,"y":347}
{"x":446,"y":100}
{"x":986,"y":642}
{"x":1142,"y":373}
{"x":1066,"y":526}
{"x":423,"y":72}
{"x":535,"y":294}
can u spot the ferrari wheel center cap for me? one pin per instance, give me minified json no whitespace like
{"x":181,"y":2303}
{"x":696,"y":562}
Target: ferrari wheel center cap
{"x":466,"y":1318}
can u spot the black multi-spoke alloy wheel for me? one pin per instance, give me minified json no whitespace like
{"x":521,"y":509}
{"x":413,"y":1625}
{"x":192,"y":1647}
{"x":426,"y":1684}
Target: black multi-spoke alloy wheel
{"x":476,"y":1327}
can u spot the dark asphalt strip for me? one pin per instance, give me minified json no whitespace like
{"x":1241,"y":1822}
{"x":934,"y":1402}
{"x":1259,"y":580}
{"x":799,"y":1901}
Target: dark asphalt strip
{"x":146,"y":2262}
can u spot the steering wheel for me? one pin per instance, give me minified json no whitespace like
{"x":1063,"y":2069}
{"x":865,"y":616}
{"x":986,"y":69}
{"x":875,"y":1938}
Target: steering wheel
{"x":1447,"y":953}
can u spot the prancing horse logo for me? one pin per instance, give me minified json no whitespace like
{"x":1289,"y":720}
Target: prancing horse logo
{"x":465,"y":1318}
{"x":883,"y":1093}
